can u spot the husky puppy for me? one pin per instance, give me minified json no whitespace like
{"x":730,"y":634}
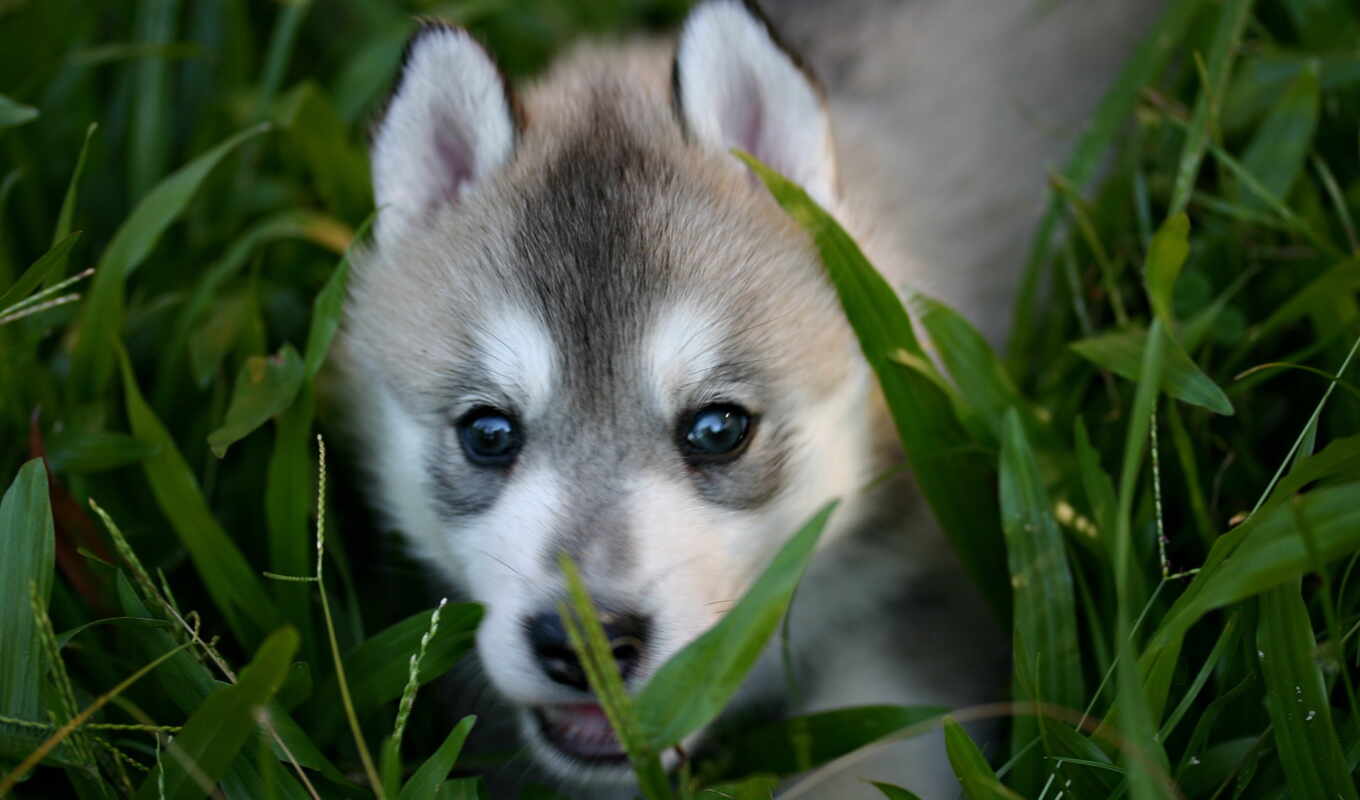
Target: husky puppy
{"x":583,"y":327}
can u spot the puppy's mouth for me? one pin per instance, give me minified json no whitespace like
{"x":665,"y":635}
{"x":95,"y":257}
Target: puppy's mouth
{"x":581,"y":731}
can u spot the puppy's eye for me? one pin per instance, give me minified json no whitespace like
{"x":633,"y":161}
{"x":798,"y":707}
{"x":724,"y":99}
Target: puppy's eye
{"x":489,"y":437}
{"x":716,"y":433}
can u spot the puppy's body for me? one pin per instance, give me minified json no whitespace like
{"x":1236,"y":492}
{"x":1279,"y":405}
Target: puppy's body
{"x":585,"y":273}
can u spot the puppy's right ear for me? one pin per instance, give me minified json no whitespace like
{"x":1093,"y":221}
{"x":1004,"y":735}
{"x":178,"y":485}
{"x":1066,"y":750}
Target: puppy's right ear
{"x":449,"y":123}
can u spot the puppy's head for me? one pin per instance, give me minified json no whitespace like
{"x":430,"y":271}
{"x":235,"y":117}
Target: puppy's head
{"x":583,"y":327}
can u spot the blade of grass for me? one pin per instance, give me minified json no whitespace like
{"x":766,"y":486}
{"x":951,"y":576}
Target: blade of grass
{"x":1159,"y":45}
{"x":149,"y":139}
{"x":1232,"y":21}
{"x":1121,"y":352}
{"x":102,"y":316}
{"x":377,"y":677}
{"x":374,"y":781}
{"x":265,"y":388}
{"x":27,"y":538}
{"x":220,"y":728}
{"x":981,"y":377}
{"x":1130,"y":701}
{"x":227,"y":576}
{"x":53,"y":262}
{"x":1278,"y":152}
{"x":14,"y":114}
{"x":690,"y":689}
{"x":426,"y":780}
{"x":592,"y":647}
{"x":956,"y":476}
{"x":975,"y":775}
{"x":36,"y":757}
{"x":68,"y":203}
{"x":1297,"y":699}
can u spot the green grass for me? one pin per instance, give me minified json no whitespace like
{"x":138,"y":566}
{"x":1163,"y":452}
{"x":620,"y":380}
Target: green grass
{"x":1170,"y":448}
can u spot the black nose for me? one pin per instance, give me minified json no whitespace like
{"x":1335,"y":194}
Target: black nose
{"x":627,"y":634}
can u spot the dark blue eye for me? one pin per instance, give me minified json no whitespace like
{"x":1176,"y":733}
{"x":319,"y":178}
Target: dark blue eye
{"x":717,"y":432}
{"x":489,"y":437}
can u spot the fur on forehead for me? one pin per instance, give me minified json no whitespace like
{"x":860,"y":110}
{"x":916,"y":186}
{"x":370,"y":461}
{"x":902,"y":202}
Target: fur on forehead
{"x":606,"y":216}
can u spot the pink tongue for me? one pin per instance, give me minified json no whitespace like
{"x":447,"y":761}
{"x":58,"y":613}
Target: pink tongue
{"x":582,"y":729}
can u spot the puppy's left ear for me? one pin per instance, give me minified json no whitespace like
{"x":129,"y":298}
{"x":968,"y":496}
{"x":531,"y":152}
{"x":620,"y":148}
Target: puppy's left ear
{"x":736,"y":86}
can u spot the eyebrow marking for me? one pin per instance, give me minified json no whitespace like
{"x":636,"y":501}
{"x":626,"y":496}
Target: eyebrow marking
{"x":518,"y":356}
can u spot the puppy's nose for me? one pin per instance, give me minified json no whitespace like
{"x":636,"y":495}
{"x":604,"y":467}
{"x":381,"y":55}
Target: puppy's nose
{"x":627,"y":635}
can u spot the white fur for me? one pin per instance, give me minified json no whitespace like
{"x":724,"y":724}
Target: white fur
{"x":448,"y":125}
{"x":503,"y":553}
{"x":404,"y":476}
{"x":683,"y":347}
{"x":521,"y":357}
{"x":740,"y":90}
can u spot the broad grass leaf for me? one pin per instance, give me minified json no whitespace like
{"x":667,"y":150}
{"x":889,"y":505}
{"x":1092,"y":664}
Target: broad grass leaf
{"x":149,"y":139}
{"x":288,"y":506}
{"x":102,"y":315}
{"x":432,"y":774}
{"x":53,"y":262}
{"x":984,"y":385}
{"x":461,"y":789}
{"x":14,"y":113}
{"x":975,"y":775}
{"x":895,"y":792}
{"x":83,"y":452}
{"x":1324,"y":26}
{"x":222,"y":725}
{"x":956,"y":476}
{"x":1297,"y":699}
{"x":27,"y":539}
{"x":1166,"y":255}
{"x":186,"y":683}
{"x":229,"y":579}
{"x":798,"y":744}
{"x":691,"y":688}
{"x":265,"y":387}
{"x":233,"y":316}
{"x":1078,"y":764}
{"x":320,"y":139}
{"x":328,"y":306}
{"x":1340,"y":458}
{"x":1263,"y":77}
{"x":1318,"y":294}
{"x":1044,"y":628}
{"x":756,"y":787}
{"x":1121,"y":352}
{"x":1264,"y":552}
{"x":1278,"y":152}
{"x":209,"y":290}
{"x":377,"y":677}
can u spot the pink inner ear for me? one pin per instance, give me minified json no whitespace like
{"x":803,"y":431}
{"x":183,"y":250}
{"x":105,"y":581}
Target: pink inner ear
{"x":454,"y":157}
{"x":743,"y":120}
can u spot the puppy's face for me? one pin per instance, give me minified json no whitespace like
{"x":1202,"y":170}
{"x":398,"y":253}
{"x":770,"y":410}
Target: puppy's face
{"x":586,"y":330}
